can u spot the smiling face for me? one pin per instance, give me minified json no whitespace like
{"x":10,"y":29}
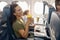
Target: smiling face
{"x":18,"y":11}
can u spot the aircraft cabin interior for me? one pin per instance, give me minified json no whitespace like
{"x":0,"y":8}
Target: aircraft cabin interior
{"x":29,"y":20}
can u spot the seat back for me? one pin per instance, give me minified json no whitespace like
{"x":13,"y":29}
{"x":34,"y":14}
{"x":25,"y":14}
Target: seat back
{"x":49,"y":15}
{"x":51,"y":9}
{"x":3,"y":26}
{"x":55,"y":26}
{"x":10,"y":29}
{"x":8,"y":33}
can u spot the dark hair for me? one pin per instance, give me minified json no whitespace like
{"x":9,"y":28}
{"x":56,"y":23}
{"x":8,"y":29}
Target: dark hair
{"x":25,"y":12}
{"x":12,"y":11}
{"x":57,"y":2}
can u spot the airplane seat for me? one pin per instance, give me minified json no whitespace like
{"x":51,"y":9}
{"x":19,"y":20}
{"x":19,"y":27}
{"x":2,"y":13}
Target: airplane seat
{"x":3,"y":27}
{"x":10,"y":29}
{"x":5,"y":20}
{"x":52,"y":9}
{"x":3,"y":30}
{"x":55,"y":27}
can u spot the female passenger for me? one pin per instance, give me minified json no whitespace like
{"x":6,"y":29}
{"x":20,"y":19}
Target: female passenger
{"x":20,"y":29}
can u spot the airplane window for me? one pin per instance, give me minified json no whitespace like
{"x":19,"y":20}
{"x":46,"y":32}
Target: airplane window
{"x":2,"y":5}
{"x":23,"y":5}
{"x":38,"y":12}
{"x":38,"y":8}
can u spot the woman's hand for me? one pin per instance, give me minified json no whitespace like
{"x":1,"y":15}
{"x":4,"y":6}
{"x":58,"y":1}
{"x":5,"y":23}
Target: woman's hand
{"x":29,"y":20}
